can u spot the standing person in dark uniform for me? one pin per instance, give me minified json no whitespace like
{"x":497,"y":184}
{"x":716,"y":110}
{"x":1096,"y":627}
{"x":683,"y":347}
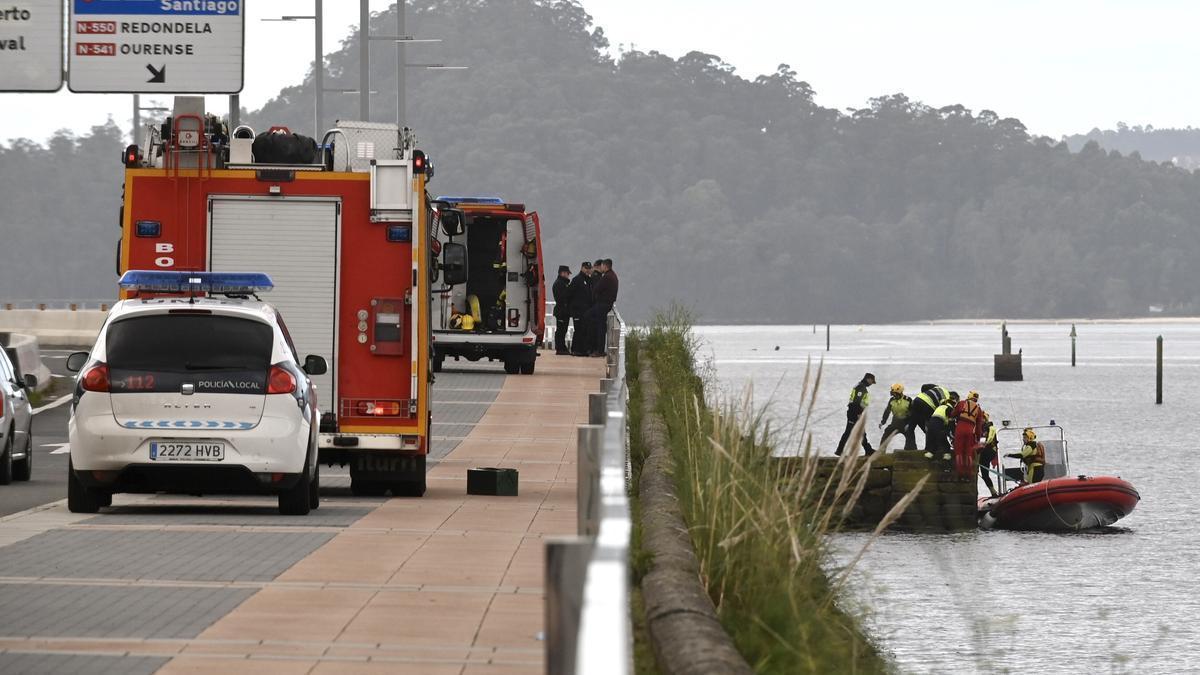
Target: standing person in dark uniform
{"x":859,"y":399}
{"x":562,"y":308}
{"x":605,"y":293}
{"x":580,"y":292}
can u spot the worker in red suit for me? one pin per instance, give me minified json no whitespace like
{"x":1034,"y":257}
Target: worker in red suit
{"x":968,"y":429}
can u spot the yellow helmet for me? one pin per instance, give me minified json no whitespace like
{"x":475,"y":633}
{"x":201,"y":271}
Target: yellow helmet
{"x":973,"y":395}
{"x":897,"y":389}
{"x":1029,"y":434}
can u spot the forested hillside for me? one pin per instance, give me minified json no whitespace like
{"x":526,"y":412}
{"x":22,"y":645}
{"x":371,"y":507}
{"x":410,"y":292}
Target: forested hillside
{"x":742,"y":198}
{"x":1179,"y":146}
{"x":59,"y":216}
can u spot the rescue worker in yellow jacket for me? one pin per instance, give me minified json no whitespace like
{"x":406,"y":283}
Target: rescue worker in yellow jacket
{"x":938,"y":429}
{"x":897,"y":407}
{"x":986,"y":453}
{"x":1032,"y":456}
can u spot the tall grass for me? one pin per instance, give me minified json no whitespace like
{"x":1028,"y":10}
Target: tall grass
{"x":759,"y":524}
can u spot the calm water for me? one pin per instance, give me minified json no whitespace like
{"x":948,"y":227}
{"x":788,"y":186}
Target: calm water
{"x":1122,"y":600}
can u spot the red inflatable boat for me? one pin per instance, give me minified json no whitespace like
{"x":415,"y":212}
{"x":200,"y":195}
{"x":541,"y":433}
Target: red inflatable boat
{"x":1059,"y":503}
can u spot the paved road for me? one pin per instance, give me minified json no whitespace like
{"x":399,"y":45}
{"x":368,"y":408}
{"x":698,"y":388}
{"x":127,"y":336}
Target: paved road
{"x":49,"y":482}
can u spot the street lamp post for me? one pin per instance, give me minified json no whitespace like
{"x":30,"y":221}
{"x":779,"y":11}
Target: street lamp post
{"x":317,"y":17}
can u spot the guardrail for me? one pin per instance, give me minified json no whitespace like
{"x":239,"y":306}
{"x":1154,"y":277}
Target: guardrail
{"x":588,"y":629}
{"x":69,"y":304}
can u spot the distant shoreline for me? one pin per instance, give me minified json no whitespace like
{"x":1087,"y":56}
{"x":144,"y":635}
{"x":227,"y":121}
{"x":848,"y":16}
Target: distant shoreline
{"x":984,"y":322}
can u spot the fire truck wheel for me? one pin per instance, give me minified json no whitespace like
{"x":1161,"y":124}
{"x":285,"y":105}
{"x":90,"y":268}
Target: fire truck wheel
{"x":367,"y":488}
{"x":314,"y":490}
{"x":294,"y":500}
{"x":409,"y":488}
{"x":438,"y":361}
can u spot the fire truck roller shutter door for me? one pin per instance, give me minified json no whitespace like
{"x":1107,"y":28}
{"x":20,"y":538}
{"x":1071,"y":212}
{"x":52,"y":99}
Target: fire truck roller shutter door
{"x":295,"y":241}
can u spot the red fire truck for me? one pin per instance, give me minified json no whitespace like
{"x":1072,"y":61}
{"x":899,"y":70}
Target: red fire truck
{"x":342,"y":229}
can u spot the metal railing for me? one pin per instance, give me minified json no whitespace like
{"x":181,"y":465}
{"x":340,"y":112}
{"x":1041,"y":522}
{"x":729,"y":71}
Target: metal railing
{"x":588,"y":629}
{"x":58,"y":303}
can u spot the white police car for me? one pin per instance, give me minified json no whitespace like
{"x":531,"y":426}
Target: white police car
{"x":194,"y":394}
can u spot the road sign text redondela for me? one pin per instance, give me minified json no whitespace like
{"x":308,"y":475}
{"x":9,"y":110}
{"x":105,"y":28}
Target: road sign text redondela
{"x":156,"y":46}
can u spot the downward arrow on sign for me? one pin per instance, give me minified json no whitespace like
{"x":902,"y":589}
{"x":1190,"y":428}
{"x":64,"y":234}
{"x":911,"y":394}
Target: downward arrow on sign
{"x":157,"y":75}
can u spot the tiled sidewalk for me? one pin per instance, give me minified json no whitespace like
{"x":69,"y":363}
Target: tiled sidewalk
{"x":448,"y":583}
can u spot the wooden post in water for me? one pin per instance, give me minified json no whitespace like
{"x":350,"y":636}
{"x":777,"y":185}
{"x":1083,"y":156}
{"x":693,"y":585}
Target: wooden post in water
{"x":1073,"y":336}
{"x":1158,"y":379}
{"x":826,"y":337}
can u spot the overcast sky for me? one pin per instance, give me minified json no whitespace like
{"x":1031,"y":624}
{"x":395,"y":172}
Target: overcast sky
{"x":1061,"y":67}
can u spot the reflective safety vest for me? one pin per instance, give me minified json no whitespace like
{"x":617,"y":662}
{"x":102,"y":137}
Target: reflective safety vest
{"x":899,"y":407}
{"x":942,"y":412}
{"x":991,"y":436}
{"x":861,"y":397}
{"x":935,"y":396}
{"x":1033,"y":454}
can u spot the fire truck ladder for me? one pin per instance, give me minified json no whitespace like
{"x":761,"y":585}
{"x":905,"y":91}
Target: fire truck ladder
{"x":188,"y":140}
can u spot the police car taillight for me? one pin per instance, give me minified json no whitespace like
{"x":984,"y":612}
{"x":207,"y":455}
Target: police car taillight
{"x":95,"y":378}
{"x":280,"y":381}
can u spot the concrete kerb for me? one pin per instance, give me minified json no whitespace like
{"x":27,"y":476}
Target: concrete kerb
{"x":54,"y":327}
{"x":25,"y":353}
{"x":685,"y":632}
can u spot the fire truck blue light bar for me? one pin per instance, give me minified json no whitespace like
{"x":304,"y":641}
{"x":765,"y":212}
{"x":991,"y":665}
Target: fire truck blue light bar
{"x":163,"y":281}
{"x":470,"y":200}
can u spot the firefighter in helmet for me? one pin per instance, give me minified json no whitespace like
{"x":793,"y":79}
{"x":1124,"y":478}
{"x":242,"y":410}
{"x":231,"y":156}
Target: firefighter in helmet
{"x":1032,"y":456}
{"x":897,"y":407}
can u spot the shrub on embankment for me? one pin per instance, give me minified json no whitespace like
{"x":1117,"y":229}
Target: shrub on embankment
{"x":758,"y":529}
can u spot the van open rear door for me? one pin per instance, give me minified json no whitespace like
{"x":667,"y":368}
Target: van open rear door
{"x":533,"y":237}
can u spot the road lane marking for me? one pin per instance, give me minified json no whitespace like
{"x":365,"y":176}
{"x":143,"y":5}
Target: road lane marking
{"x":59,"y":448}
{"x":53,"y":404}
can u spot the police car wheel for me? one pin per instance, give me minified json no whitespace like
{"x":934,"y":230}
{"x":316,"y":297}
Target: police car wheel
{"x":79,"y":498}
{"x":314,"y":489}
{"x":512,"y":366}
{"x":294,"y":500}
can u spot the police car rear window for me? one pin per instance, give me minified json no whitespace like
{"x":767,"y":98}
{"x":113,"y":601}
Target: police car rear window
{"x":188,"y":344}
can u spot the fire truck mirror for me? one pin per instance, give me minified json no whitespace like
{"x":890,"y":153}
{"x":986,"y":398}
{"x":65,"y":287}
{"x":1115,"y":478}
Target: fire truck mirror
{"x":452,"y":222}
{"x":454,"y":263}
{"x":315,"y":365}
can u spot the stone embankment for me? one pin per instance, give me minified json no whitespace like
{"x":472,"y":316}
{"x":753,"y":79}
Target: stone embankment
{"x":684,"y":629}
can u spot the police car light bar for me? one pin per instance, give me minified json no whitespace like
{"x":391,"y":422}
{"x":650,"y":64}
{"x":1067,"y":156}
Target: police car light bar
{"x":162,"y":281}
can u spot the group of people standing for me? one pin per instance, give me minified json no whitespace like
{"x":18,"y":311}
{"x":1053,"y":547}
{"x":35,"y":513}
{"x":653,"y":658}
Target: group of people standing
{"x":955,"y":429}
{"x":585,"y":299}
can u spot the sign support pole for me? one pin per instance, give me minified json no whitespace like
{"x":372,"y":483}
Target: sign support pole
{"x":137,"y":120}
{"x":364,"y":61}
{"x":401,"y":66}
{"x":319,"y":73}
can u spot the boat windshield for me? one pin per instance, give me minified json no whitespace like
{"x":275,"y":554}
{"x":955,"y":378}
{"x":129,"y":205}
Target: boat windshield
{"x":1052,"y":439}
